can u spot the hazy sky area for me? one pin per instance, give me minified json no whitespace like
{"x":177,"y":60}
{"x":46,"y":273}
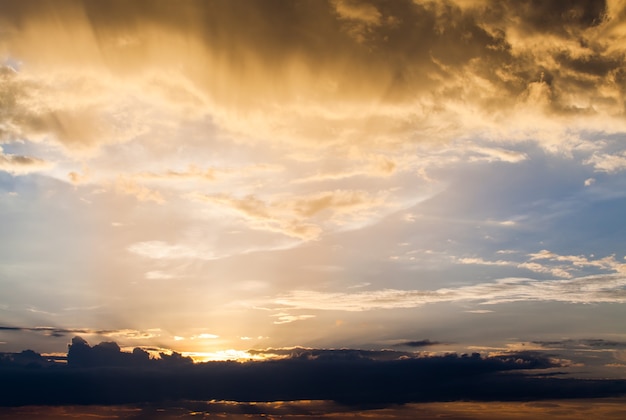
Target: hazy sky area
{"x":212,"y":177}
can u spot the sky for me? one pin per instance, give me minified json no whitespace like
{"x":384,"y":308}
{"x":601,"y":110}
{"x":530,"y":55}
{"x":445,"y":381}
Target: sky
{"x":213,"y":177}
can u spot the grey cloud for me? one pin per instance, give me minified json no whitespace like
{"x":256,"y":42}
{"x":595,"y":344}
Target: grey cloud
{"x":583,"y":344}
{"x":20,"y":165}
{"x":419,"y":343}
{"x":62,"y":332}
{"x":333,"y":354}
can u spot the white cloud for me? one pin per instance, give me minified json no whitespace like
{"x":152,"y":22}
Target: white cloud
{"x":158,"y":275}
{"x":606,"y":263}
{"x":204,"y":336}
{"x":572,"y":262}
{"x":506,"y":251}
{"x":538,"y":268}
{"x":162,"y":250}
{"x":199,"y":250}
{"x":481,"y":261}
{"x":603,"y":162}
{"x":285,"y":318}
{"x":494,"y":154}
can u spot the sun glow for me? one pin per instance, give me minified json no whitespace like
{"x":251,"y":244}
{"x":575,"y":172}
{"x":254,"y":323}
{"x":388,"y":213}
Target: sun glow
{"x":231,"y":355}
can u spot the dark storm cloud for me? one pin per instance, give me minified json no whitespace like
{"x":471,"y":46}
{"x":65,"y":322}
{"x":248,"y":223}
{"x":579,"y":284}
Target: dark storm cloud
{"x":242,"y":54}
{"x":396,"y":53}
{"x":27,"y":358}
{"x":102,"y":374}
{"x":108,"y":353}
{"x":552,"y":17}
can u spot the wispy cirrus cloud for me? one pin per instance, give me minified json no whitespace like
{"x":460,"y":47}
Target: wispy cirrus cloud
{"x":592,"y":289}
{"x":286,"y":318}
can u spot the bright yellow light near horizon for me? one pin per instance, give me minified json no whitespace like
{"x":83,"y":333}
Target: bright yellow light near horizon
{"x":206,"y":356}
{"x":228,"y":355}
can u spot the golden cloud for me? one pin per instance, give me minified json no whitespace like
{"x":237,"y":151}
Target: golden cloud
{"x":248,"y":65}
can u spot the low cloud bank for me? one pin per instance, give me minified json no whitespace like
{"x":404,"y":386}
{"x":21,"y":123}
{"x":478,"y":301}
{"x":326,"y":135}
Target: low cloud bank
{"x":103,"y":374}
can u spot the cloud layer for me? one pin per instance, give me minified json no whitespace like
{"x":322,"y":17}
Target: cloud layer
{"x":104,"y":375}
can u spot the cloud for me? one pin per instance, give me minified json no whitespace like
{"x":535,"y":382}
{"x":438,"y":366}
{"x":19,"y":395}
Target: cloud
{"x":192,"y":172}
{"x":78,"y":109}
{"x":357,"y":11}
{"x":300,"y":217}
{"x":573,"y":262}
{"x":497,"y":154}
{"x":128,"y":186}
{"x":303,"y":353}
{"x":158,"y":275}
{"x":347,"y":101}
{"x":358,"y":106}
{"x":197,"y":250}
{"x":418,"y":343}
{"x":606,"y":263}
{"x":61,"y":332}
{"x":22,"y":165}
{"x":591,"y":289}
{"x":338,"y":202}
{"x":109,"y":354}
{"x":258,"y":214}
{"x":367,"y":166}
{"x":311,"y":74}
{"x":104,"y":374}
{"x":591,"y":344}
{"x":610,"y":163}
{"x":285,"y":318}
{"x":162,"y":250}
{"x":204,"y":336}
{"x":589,"y":182}
{"x":359,"y":18}
{"x":481,"y":261}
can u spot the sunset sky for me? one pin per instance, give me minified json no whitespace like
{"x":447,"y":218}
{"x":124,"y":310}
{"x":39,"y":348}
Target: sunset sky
{"x":212,"y":177}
